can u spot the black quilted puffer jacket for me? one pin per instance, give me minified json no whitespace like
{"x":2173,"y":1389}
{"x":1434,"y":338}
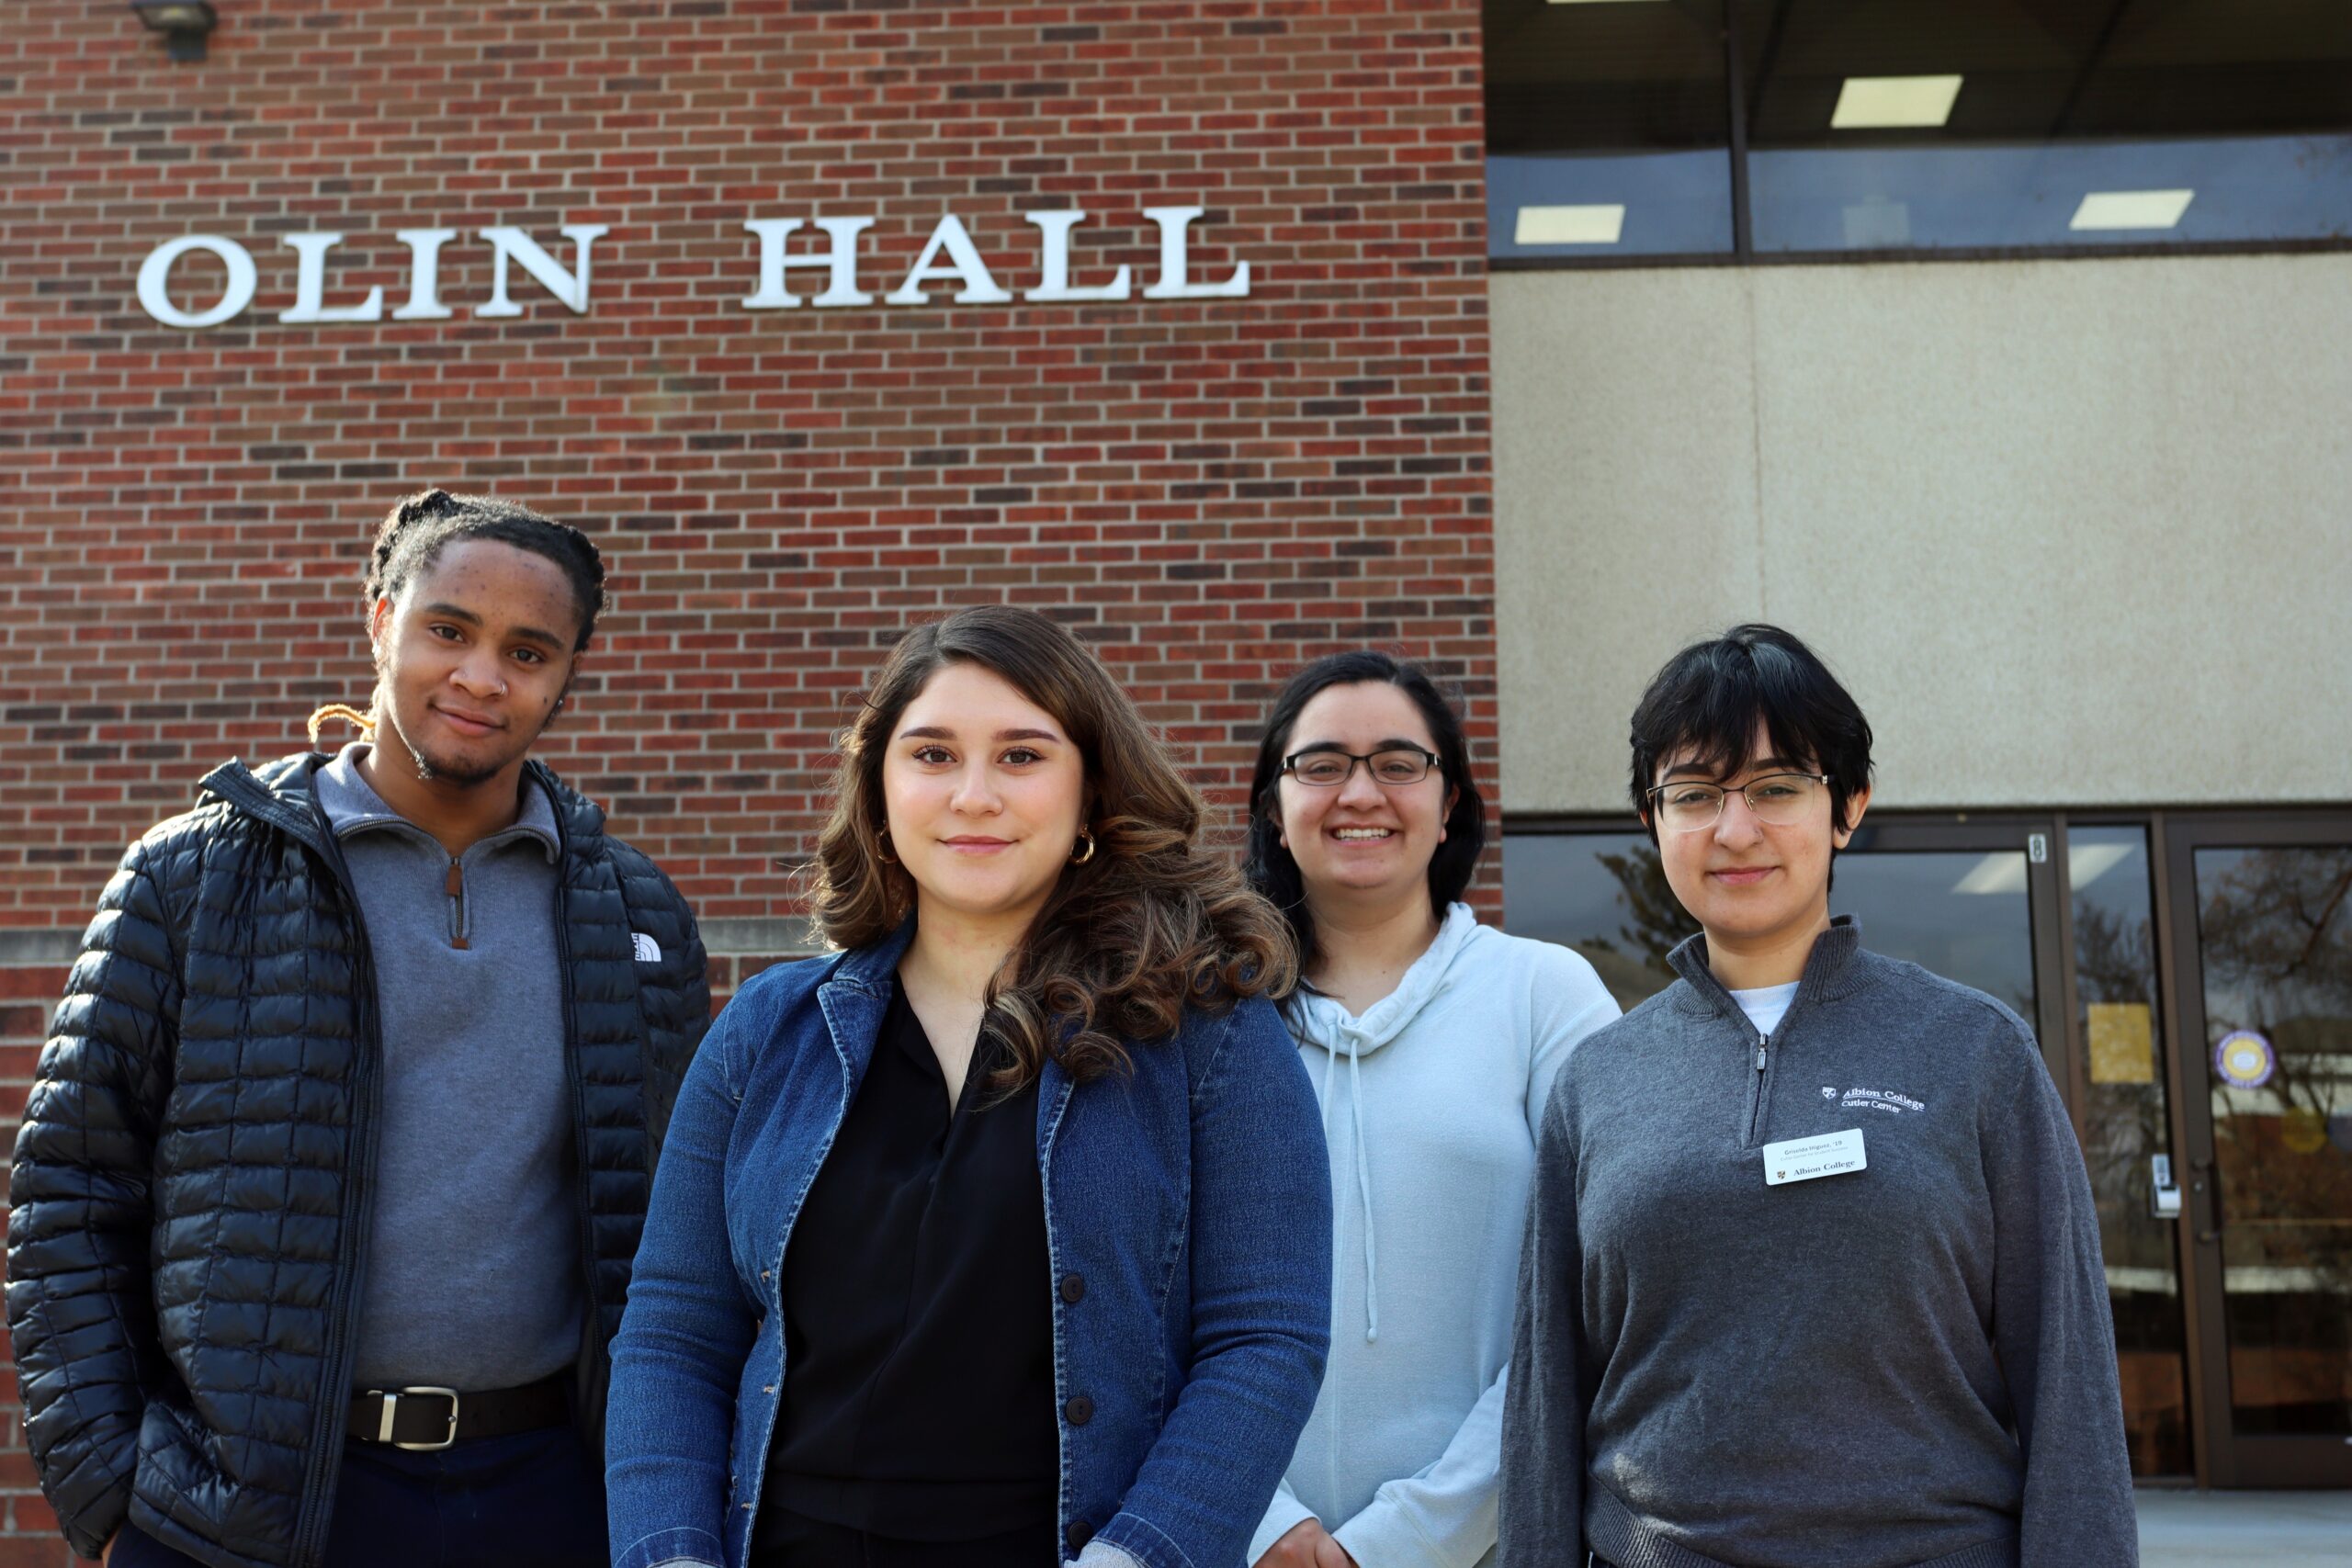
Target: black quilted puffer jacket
{"x":191,"y":1179}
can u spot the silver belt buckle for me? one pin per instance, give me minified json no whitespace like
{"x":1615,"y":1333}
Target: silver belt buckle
{"x":391,"y":1402}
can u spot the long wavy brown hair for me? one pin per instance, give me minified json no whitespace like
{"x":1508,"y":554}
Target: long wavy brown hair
{"x":1149,"y":924}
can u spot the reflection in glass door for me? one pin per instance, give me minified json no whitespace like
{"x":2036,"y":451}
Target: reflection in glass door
{"x":1951,"y":901}
{"x":2271,"y":987}
{"x":2127,"y":1134}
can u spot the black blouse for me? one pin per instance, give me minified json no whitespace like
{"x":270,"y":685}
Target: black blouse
{"x":918,"y":1315}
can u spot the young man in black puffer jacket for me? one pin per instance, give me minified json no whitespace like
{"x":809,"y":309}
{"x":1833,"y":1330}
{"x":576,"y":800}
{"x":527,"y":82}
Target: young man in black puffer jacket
{"x":328,"y":1186}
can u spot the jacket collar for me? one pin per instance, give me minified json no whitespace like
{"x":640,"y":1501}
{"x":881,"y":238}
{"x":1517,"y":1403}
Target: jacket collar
{"x":873,"y":968}
{"x":279,"y":793}
{"x":1828,"y":969}
{"x":854,"y":997}
{"x":353,"y":806}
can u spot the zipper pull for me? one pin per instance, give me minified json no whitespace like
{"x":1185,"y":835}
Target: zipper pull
{"x":455,"y":885}
{"x":1760,"y":1042}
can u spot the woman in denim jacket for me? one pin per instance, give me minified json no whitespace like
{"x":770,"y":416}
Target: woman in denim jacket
{"x":1003,"y":1236}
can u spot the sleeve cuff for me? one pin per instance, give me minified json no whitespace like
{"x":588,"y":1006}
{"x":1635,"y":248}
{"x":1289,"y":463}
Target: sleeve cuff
{"x":1392,"y":1535}
{"x":1103,"y":1554}
{"x":682,"y":1548}
{"x":1285,"y":1514}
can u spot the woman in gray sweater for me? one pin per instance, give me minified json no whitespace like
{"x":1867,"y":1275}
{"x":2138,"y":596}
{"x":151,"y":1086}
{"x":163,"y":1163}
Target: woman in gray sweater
{"x":1812,"y":1276}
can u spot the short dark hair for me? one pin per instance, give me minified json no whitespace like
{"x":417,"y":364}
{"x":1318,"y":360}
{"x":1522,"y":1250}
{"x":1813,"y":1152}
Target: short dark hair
{"x":417,"y":531}
{"x":1270,"y":868}
{"x":1709,"y":698}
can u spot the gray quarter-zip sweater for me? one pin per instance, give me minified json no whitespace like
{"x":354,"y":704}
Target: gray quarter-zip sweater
{"x":1910,"y":1363}
{"x":472,"y":1279}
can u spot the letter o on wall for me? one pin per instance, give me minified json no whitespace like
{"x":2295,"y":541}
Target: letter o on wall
{"x":157,"y":269}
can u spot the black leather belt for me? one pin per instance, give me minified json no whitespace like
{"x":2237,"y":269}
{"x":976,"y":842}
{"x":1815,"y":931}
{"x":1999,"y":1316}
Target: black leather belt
{"x":428,"y":1418}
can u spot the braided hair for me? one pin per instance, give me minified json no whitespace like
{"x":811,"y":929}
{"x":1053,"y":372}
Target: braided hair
{"x":415,"y":532}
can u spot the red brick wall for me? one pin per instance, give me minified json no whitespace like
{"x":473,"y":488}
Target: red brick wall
{"x":1209,"y":491}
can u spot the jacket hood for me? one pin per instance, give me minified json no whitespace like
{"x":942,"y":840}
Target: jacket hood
{"x":1319,"y":1020}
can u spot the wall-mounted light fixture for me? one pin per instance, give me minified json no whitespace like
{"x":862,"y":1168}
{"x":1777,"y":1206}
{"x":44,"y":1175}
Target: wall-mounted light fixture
{"x":183,"y":23}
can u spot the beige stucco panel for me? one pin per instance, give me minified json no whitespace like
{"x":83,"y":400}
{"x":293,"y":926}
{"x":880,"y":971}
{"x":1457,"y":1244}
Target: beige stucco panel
{"x":1625,"y":504}
{"x":2077,"y":533}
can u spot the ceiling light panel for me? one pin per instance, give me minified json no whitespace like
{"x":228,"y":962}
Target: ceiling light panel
{"x":1590,"y":225}
{"x":2003,"y":871}
{"x":2132,"y":209}
{"x":2088,"y":865}
{"x":1887,"y":103}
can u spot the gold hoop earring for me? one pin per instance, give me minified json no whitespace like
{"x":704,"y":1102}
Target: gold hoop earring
{"x":881,"y":851}
{"x":1079,"y":857}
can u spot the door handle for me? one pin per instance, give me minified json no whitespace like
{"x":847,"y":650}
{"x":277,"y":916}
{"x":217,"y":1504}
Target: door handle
{"x":2203,"y":1187}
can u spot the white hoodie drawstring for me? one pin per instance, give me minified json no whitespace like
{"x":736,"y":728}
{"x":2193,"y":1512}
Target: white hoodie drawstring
{"x":1330,"y":1058}
{"x":1363,"y":1190}
{"x":1331,"y":1459}
{"x":1363,"y":1175}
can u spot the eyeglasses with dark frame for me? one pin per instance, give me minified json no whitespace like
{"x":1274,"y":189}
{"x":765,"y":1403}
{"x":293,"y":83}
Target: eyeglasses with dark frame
{"x":1327,"y":767}
{"x":1777,"y":800}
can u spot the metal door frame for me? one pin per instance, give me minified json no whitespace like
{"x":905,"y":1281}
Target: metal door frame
{"x":2224,"y":1459}
{"x":2052,"y":931}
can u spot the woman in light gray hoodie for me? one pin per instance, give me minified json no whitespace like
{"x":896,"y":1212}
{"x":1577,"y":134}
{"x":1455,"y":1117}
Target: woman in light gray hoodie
{"x":1432,"y":1041}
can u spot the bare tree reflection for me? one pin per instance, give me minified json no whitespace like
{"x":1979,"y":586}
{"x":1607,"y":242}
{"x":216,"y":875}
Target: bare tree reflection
{"x":2125,"y":1122}
{"x":1633,"y":963}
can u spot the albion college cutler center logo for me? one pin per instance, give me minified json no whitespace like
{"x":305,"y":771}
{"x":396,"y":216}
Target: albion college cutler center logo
{"x":948,"y":257}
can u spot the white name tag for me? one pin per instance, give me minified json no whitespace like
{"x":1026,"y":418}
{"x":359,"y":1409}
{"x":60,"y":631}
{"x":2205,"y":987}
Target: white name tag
{"x":1808,"y":1159}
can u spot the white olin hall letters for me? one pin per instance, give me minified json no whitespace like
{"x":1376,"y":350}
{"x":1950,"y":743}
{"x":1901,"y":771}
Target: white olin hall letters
{"x":949,"y":258}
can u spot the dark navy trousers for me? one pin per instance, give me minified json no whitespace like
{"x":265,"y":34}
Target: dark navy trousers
{"x":529,"y":1500}
{"x":788,"y":1540}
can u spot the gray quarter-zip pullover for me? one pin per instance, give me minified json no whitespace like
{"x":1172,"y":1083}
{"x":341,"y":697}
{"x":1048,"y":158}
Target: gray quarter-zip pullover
{"x":472,"y":1279}
{"x":1911,"y":1363}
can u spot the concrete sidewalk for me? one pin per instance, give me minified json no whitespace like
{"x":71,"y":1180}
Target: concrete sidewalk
{"x":2258,"y":1529}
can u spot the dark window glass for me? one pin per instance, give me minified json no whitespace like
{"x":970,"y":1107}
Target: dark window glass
{"x":1601,"y":894}
{"x":1893,"y":125}
{"x":2126,"y":1131}
{"x":1920,"y":124}
{"x":1608,"y":128}
{"x":1962,"y":915}
{"x":2275,"y":929}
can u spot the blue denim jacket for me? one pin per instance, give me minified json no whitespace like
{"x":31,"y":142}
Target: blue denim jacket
{"x":1192,"y":1198}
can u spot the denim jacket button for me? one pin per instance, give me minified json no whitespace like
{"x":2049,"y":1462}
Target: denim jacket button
{"x":1079,"y":1534}
{"x":1073,"y":1288}
{"x":1080,"y":1411}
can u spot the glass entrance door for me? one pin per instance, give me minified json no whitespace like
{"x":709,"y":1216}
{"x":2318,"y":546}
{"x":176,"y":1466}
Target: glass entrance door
{"x":2263,"y":976}
{"x":2121,"y":1070}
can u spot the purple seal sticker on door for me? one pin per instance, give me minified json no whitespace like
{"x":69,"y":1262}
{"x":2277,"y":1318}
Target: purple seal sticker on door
{"x":2244,"y":1059}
